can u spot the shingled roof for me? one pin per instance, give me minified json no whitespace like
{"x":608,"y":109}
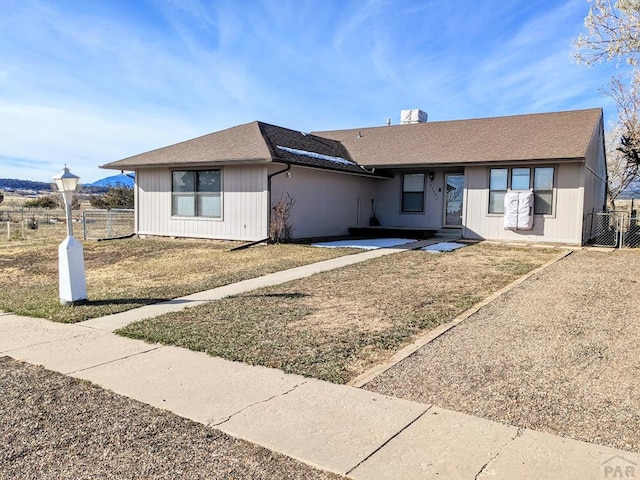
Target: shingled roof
{"x":543,"y":136}
{"x":254,"y":142}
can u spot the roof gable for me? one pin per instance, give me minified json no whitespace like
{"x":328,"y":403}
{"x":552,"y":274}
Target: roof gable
{"x":240,"y":143}
{"x":290,"y":146}
{"x":543,"y":136}
{"x":251,"y":142}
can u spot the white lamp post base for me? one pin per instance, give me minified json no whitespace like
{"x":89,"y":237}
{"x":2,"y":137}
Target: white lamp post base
{"x":73,"y":283}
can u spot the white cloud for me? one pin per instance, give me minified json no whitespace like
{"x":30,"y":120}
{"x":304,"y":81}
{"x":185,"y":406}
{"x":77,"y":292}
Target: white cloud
{"x":97,"y":81}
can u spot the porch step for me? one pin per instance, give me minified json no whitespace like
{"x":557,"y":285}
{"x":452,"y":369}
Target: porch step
{"x":447,"y":234}
{"x":390,"y":232}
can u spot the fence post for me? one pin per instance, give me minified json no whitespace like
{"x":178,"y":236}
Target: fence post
{"x":109,"y":220}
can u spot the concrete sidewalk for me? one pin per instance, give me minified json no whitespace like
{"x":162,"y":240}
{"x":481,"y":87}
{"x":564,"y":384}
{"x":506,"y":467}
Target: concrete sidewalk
{"x":335,"y":427}
{"x":338,"y":428}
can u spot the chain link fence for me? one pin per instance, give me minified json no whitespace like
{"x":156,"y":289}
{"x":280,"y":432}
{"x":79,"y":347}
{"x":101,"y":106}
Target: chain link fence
{"x":631,"y":232}
{"x":108,"y":224}
{"x":616,"y":229}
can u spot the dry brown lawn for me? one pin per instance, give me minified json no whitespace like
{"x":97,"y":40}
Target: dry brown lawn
{"x":55,"y":427}
{"x":125,"y":274}
{"x":559,"y":354}
{"x":337,"y":324}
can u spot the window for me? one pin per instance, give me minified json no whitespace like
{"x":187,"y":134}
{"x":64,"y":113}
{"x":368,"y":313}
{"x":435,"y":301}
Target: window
{"x":196,"y":193}
{"x":497,"y":189}
{"x":520,"y":178}
{"x":543,"y":190}
{"x":501,"y":179}
{"x":413,"y":192}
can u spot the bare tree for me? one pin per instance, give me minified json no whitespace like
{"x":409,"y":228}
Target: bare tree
{"x":627,"y":100}
{"x":613,"y":33}
{"x":620,"y":172}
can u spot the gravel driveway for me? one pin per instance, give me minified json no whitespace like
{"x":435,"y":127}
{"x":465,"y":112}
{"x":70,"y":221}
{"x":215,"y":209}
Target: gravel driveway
{"x":560,"y":353}
{"x":57,"y":427}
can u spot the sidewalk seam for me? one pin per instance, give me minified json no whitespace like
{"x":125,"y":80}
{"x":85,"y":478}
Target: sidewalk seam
{"x":42,"y":343}
{"x":115,"y":360}
{"x":384,"y":444}
{"x":225,"y":420}
{"x":519,"y":432}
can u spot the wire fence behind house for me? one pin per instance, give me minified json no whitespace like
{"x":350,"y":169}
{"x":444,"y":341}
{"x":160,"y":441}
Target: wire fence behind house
{"x":29,"y":223}
{"x":108,"y":224}
{"x":631,"y":234}
{"x":616,"y":229}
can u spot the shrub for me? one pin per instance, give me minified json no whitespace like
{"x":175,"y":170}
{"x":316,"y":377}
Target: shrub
{"x":280,"y":229}
{"x":42,"y":202}
{"x":119,"y":196}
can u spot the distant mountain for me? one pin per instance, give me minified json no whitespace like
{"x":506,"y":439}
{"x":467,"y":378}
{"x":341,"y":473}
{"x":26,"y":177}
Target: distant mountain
{"x":124,"y":179}
{"x":632,"y":191}
{"x":15,"y":184}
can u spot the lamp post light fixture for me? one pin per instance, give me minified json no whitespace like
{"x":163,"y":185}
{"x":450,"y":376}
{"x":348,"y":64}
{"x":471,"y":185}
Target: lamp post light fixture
{"x":73,"y":283}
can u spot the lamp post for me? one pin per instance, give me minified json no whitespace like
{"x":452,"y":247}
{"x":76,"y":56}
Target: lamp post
{"x":73,"y":284}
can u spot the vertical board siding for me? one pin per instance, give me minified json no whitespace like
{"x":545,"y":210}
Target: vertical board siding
{"x":564,"y":226}
{"x":244,"y":206}
{"x":326,"y":202}
{"x":389,"y":202}
{"x":595,"y":187}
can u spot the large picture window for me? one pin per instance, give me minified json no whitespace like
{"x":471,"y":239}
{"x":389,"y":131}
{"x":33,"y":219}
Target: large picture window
{"x":501,"y":179}
{"x":413,"y":192}
{"x":196,"y":193}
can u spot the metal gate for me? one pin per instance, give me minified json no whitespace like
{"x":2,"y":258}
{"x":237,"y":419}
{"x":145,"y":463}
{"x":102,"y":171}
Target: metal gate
{"x":108,"y":224}
{"x":615,"y":229}
{"x":630,"y":231}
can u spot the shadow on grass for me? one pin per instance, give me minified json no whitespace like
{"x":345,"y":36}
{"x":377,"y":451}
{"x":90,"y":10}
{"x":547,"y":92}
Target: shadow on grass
{"x":122,"y":301}
{"x":275,"y":295}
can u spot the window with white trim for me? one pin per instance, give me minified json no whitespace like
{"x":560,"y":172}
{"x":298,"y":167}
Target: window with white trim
{"x":497,"y":189}
{"x":196,"y":193}
{"x":413,"y":192}
{"x":521,"y":178}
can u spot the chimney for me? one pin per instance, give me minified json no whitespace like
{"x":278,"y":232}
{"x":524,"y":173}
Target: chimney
{"x":412,"y":116}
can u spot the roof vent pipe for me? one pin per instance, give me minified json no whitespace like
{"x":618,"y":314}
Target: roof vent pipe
{"x":412,"y":116}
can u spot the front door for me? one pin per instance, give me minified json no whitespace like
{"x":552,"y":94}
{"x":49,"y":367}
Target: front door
{"x":454,"y":184}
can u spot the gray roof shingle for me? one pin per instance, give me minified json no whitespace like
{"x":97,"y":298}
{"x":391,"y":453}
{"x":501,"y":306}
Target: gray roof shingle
{"x":544,"y":136}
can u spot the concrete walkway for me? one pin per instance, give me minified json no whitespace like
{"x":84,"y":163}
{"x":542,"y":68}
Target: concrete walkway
{"x":338,"y":428}
{"x":113,"y":322}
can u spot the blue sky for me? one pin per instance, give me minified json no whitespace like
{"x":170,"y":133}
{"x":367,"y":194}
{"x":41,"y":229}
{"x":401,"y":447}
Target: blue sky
{"x":87,"y":82}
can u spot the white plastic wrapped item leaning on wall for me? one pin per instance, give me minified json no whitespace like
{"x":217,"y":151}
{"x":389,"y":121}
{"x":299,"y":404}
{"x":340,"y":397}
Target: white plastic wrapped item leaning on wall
{"x":518,"y":210}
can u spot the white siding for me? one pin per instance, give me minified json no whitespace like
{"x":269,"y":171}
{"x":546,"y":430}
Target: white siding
{"x":564,"y":226}
{"x":389,"y":202}
{"x":244,"y":206}
{"x":595,"y":181}
{"x":326,"y":202}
